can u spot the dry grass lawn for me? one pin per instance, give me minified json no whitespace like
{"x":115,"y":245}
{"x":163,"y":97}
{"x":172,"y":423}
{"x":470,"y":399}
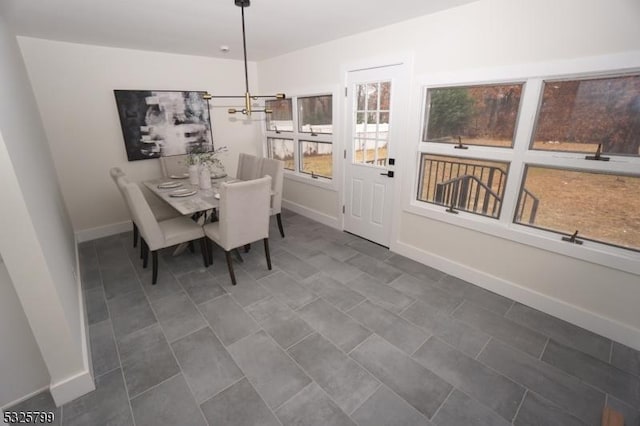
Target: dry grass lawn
{"x":602,"y":207}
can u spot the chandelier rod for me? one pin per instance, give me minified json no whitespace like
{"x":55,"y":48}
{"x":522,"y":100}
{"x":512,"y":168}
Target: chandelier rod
{"x":244,"y":49}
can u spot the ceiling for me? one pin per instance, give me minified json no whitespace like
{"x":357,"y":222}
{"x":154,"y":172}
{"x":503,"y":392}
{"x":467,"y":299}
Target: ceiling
{"x":200,"y":27}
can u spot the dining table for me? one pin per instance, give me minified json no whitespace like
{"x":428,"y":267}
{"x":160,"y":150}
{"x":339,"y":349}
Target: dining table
{"x":173,"y":191}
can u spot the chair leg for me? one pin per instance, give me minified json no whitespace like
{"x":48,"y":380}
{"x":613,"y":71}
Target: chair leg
{"x":230,"y":266}
{"x":135,"y":235}
{"x":247,"y":247}
{"x":145,"y":253}
{"x":209,"y":250}
{"x":266,"y":252}
{"x":280,"y":227}
{"x":154,"y":261}
{"x":203,"y":248}
{"x":237,"y":252}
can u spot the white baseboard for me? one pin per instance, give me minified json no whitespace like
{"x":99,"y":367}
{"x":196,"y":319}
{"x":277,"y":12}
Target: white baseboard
{"x":581,"y":317}
{"x":72,"y":387}
{"x":102,"y":231}
{"x":23,"y":398}
{"x":323,"y":218}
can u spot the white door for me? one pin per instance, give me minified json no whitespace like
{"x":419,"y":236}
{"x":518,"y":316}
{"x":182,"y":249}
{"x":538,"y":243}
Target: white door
{"x":373,"y":105}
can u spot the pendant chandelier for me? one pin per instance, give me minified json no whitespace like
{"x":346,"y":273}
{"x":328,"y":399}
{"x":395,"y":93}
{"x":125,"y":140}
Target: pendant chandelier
{"x":248,"y":97}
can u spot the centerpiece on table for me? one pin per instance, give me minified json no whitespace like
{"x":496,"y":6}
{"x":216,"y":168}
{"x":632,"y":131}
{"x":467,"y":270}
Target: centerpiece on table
{"x":205,"y":165}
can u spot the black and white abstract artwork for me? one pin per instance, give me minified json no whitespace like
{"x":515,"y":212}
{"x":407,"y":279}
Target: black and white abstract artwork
{"x":161,"y":123}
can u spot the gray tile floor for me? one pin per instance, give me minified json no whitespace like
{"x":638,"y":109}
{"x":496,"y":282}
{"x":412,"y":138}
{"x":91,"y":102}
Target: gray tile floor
{"x":340,"y":332}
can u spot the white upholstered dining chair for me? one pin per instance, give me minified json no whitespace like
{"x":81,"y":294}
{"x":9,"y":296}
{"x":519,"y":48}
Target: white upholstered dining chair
{"x":244,"y":218}
{"x":161,"y":210}
{"x":156,"y":235}
{"x":248,"y":167}
{"x":275,"y":169}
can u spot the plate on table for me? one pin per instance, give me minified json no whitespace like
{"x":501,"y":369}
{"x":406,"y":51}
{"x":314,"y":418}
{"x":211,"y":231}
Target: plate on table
{"x":183,"y":192}
{"x":217,"y":196}
{"x":182,"y":176}
{"x":167,"y":185}
{"x":218,"y":176}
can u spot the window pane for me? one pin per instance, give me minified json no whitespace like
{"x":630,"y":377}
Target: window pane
{"x":281,"y":149}
{"x":315,"y":114}
{"x":475,"y":186}
{"x":381,"y":154}
{"x":479,"y":115}
{"x":577,"y":115}
{"x":362,"y":96}
{"x":281,"y":119}
{"x":365,"y":151}
{"x":372,"y":96}
{"x":601,"y":207}
{"x":385,"y":93}
{"x":317,"y":158}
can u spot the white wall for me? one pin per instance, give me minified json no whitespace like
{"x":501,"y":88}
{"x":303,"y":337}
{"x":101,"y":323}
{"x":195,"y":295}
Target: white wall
{"x":487,"y":33}
{"x":22,"y":370}
{"x":36,"y":238}
{"x":74,"y":86}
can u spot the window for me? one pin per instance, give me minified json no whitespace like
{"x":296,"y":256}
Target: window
{"x":602,"y":207}
{"x":304,"y":141}
{"x":315,"y":114}
{"x":474,"y":186}
{"x":580,"y":115}
{"x":473,"y":115}
{"x":282,"y":149}
{"x":592,"y":187}
{"x":317,"y":158}
{"x":281,"y":117}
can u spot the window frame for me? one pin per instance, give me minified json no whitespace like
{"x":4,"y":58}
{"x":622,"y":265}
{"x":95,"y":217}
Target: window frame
{"x":299,"y":137}
{"x":425,"y":109}
{"x":522,"y":154}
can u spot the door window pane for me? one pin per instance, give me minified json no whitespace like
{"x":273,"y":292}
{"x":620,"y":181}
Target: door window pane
{"x":372,"y":96}
{"x":478,"y":115}
{"x":578,"y":115}
{"x":315,"y":114}
{"x":601,"y":207}
{"x":282,"y":149}
{"x":281,"y":119}
{"x":385,"y":95}
{"x":370,"y":143}
{"x":317,"y":158}
{"x":474,"y":186}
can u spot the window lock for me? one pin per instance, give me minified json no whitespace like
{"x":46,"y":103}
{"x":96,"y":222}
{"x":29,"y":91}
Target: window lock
{"x":460,"y":146}
{"x":573,"y":239}
{"x":597,"y":156}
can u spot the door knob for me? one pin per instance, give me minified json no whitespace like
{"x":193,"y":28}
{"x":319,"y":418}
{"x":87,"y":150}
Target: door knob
{"x":389,"y":173}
